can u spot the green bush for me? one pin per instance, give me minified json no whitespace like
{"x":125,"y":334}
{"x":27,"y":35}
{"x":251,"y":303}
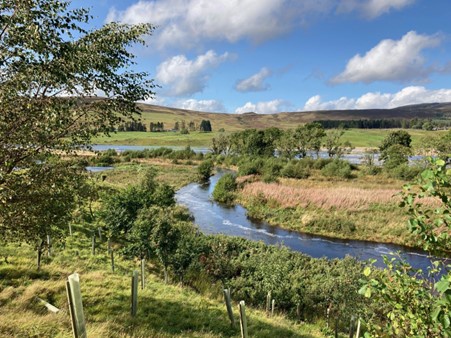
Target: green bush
{"x":295,"y":170}
{"x":337,"y":168}
{"x":204,"y":170}
{"x":225,"y":188}
{"x":250,"y":166}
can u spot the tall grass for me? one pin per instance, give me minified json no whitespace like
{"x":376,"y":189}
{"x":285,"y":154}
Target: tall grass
{"x":326,"y":198}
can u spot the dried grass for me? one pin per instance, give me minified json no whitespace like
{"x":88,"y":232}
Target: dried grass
{"x":325,"y":198}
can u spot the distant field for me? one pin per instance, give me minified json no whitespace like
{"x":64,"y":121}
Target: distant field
{"x":363,"y":138}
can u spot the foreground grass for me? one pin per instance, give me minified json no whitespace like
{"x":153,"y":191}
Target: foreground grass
{"x":163,"y":310}
{"x":361,"y":138}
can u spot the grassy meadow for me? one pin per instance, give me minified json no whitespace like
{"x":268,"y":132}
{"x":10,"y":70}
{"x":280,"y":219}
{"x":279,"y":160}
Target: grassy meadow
{"x":163,"y":310}
{"x":360,"y":138}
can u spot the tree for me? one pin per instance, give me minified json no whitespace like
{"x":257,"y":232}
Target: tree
{"x":205,"y":126}
{"x":308,"y":138}
{"x":333,"y":144}
{"x":413,"y":304}
{"x":50,"y":69}
{"x":400,"y":137}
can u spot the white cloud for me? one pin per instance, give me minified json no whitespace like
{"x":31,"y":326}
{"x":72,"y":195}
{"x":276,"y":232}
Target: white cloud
{"x":391,"y":60}
{"x":372,"y":8}
{"x":210,"y":106}
{"x":180,"y":76}
{"x":373,"y":100}
{"x":254,"y":83}
{"x":186,"y":23}
{"x":268,"y":107}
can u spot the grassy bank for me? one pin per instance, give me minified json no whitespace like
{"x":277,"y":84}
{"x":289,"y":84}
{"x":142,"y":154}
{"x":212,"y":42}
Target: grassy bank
{"x":362,"y":138}
{"x":163,"y":310}
{"x":365,"y":208}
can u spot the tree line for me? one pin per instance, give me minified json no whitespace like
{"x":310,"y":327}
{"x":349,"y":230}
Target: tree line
{"x":425,"y":124}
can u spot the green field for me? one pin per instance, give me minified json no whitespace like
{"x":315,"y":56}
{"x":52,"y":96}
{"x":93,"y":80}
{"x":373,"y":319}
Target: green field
{"x":362,"y":138}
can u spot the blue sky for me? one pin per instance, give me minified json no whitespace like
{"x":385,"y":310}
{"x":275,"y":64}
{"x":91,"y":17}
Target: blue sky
{"x":270,"y":56}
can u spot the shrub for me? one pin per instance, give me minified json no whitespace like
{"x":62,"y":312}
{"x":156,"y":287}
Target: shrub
{"x":292,"y":170}
{"x":337,"y":168}
{"x":320,"y":163}
{"x":224,"y":190}
{"x":251,"y":166}
{"x":204,"y":170}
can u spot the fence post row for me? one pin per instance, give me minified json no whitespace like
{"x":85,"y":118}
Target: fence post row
{"x":76,"y":306}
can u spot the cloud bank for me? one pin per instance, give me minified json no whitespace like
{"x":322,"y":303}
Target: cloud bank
{"x":267,"y":107}
{"x":185,"y":23}
{"x":373,"y":100}
{"x":180,"y":76}
{"x":391,"y":60}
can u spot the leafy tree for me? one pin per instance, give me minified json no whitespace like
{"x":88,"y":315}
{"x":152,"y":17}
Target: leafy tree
{"x":335,"y":147}
{"x":413,"y":305}
{"x":309,"y":138}
{"x":120,"y":210}
{"x":50,"y":67}
{"x":220,"y":145}
{"x":286,"y":144}
{"x":399,"y":137}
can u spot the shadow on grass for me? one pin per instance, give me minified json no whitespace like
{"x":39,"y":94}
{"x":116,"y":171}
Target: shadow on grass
{"x":178,"y":318}
{"x":14,"y":276}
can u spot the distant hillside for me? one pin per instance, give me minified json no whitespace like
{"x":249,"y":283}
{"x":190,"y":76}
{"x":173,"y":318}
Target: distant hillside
{"x":284,"y":120}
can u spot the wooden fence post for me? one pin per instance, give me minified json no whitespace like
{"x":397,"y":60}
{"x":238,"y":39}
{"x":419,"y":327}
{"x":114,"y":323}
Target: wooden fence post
{"x":76,"y":306}
{"x":112,"y":260}
{"x":49,"y":245}
{"x":134,"y":299}
{"x":93,"y":247}
{"x":243,"y":320}
{"x":143,"y":270}
{"x":273,"y":305}
{"x":228,"y":301}
{"x":351,"y":327}
{"x":99,"y":229}
{"x":268,"y":303}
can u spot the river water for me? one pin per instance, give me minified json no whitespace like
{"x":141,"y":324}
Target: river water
{"x":214,"y":218}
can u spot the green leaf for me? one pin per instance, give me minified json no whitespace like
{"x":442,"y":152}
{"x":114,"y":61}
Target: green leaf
{"x":367,"y":271}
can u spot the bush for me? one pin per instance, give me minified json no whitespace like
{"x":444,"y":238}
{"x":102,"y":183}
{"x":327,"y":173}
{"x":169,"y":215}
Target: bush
{"x":224,"y":190}
{"x":404,"y":172}
{"x":204,"y":170}
{"x":295,"y":170}
{"x":320,"y":163}
{"x":337,"y":168}
{"x":251,"y":166}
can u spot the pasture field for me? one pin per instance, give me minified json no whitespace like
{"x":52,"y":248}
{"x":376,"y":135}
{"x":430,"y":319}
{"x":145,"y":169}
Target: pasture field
{"x":359,"y":138}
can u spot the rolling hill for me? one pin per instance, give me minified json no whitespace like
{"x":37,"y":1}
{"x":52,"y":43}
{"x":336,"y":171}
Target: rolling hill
{"x":284,"y":120}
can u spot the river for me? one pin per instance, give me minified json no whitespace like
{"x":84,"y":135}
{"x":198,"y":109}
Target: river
{"x":214,"y":218}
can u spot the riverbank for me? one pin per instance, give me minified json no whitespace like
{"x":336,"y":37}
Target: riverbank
{"x":360,"y":209}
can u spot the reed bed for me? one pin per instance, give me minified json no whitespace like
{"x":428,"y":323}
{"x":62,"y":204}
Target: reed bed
{"x":325,"y":198}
